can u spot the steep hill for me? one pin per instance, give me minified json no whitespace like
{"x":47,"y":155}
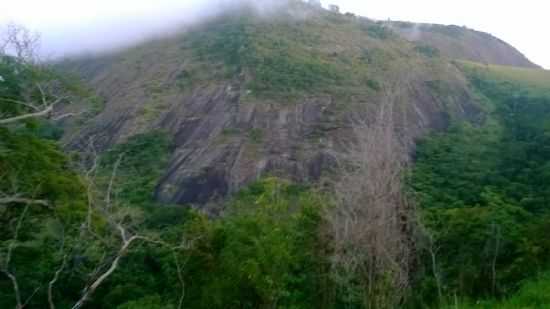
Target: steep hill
{"x":462,"y":43}
{"x":249,"y":94}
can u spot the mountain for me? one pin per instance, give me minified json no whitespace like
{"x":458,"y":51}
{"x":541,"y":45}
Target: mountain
{"x":253,"y":93}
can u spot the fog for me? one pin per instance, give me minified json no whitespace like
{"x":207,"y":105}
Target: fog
{"x":75,"y":26}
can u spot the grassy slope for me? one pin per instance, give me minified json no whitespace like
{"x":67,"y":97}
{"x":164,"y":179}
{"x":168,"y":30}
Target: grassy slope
{"x":294,"y":53}
{"x":290,"y":55}
{"x":536,"y":81}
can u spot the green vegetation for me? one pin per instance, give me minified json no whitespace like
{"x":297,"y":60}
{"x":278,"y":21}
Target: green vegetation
{"x":484,"y":195}
{"x":285,"y":58}
{"x":379,"y":31}
{"x":276,"y":63}
{"x":428,"y":51}
{"x":32,"y":168}
{"x":481,"y":190}
{"x":261,"y":254}
{"x":532,"y":294}
{"x":533,"y":81}
{"x":450,"y":30}
{"x":255,"y":135}
{"x":139,"y":163}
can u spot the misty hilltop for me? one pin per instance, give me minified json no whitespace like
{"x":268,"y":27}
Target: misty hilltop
{"x":257,"y":91}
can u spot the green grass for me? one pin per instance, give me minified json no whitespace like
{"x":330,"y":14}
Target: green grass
{"x":534,"y":80}
{"x":533,"y":294}
{"x":288,"y":58}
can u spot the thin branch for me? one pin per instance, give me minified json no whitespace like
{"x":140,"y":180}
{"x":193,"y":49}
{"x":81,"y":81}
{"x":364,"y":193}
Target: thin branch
{"x":45,"y":111}
{"x":31,"y":106}
{"x":180,"y":278}
{"x":88,"y":179}
{"x":111,"y":182}
{"x":20,"y":200}
{"x":57,"y":272}
{"x":89,"y":290}
{"x":15,"y":286}
{"x":11,"y":248}
{"x":30,"y":297}
{"x":42,"y":113}
{"x":67,"y":115}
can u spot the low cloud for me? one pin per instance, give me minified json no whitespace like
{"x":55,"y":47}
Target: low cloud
{"x":124,"y":24}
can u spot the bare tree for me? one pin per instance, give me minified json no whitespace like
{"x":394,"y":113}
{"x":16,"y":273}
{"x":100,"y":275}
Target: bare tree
{"x":40,"y":98}
{"x":432,"y":247}
{"x":20,"y":42}
{"x":370,"y":224}
{"x":122,"y":222}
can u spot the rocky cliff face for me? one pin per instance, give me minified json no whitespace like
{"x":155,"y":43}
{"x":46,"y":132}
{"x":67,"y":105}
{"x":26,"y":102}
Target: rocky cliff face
{"x":281,"y":101}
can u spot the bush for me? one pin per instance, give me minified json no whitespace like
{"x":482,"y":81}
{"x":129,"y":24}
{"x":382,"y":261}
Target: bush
{"x":262,"y":253}
{"x":142,"y":162}
{"x":428,"y":51}
{"x":379,"y":32}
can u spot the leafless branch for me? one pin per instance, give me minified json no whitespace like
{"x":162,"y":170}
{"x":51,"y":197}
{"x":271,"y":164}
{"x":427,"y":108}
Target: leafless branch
{"x":111,"y":182}
{"x":58,"y":272}
{"x":90,"y":289}
{"x":180,"y":278}
{"x":43,"y":109}
{"x":20,"y":42}
{"x":89,"y":175}
{"x":9,"y":255}
{"x":39,"y":114}
{"x":20,"y":200}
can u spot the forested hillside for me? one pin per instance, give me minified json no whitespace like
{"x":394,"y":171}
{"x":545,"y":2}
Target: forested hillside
{"x":483,"y":189}
{"x":306,"y":159}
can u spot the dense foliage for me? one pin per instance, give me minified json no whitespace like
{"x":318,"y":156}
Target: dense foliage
{"x":262,"y":254}
{"x":484,"y":196}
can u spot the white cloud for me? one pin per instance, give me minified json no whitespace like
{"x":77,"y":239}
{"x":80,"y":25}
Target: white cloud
{"x":78,"y":25}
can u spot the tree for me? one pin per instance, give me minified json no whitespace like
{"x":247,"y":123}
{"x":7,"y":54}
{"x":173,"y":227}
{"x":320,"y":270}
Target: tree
{"x":91,"y":240}
{"x":26,"y":84}
{"x":371,"y":222}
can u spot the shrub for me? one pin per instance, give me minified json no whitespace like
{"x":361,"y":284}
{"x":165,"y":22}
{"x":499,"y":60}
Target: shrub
{"x":428,"y":51}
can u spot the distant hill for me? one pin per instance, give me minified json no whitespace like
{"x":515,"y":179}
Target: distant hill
{"x":248,"y":93}
{"x":462,"y":43}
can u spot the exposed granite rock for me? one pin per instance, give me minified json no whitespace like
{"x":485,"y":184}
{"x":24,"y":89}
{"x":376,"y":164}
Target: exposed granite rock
{"x":225,"y":136}
{"x":222,"y":141}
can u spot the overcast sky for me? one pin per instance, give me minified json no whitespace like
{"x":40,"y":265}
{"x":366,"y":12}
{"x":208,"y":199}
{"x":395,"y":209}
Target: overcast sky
{"x":69,"y":26}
